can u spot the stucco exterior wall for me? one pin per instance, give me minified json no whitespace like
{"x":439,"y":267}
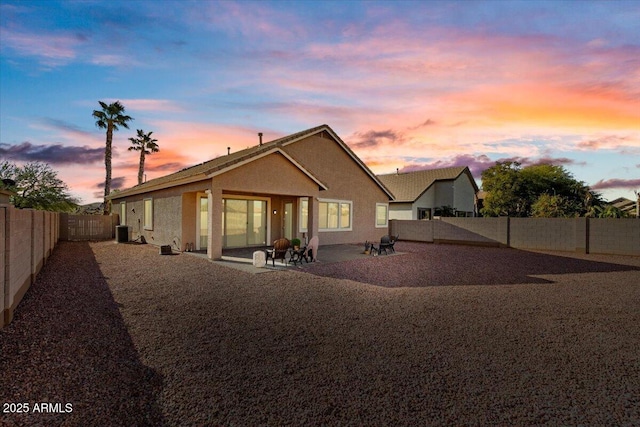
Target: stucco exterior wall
{"x":167,"y":214}
{"x":443,"y":193}
{"x":272,"y":174}
{"x":427,"y":200}
{"x":463,"y":194}
{"x":402,"y":211}
{"x":345,"y":180}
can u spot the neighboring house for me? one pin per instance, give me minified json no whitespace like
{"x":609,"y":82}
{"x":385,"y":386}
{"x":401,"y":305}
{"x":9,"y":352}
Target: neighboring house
{"x":625,"y":205}
{"x":423,"y":194}
{"x":306,"y":184}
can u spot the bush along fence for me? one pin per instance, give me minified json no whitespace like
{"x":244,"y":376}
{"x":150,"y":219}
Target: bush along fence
{"x":614,"y":236}
{"x":27,"y":239}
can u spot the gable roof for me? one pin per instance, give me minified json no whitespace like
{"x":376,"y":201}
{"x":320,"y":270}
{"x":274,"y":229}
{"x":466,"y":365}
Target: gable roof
{"x":409,"y":186}
{"x":231,"y":161}
{"x":624,"y":204}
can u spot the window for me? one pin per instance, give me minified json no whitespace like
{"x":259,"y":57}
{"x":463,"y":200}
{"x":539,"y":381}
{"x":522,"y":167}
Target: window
{"x":424,"y":213}
{"x":123,"y":213}
{"x":304,"y":214}
{"x":382,"y":215}
{"x":148,"y":214}
{"x":334,"y":215}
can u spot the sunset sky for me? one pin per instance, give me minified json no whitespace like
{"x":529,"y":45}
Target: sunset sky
{"x":408,"y":85}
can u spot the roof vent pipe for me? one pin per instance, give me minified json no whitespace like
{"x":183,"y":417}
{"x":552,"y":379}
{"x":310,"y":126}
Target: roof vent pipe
{"x":228,"y":150}
{"x":397,"y":171}
{"x":260,"y":136}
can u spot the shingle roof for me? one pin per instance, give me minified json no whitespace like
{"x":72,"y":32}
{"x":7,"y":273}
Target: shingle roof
{"x":409,"y":186}
{"x":624,"y":204}
{"x":202,"y":170}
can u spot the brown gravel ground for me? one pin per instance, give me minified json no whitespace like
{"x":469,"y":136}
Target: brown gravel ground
{"x":441,"y":335}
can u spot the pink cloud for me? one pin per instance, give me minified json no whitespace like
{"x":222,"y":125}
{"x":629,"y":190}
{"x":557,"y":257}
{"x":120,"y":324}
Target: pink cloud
{"x":251,"y":20}
{"x":52,"y":49}
{"x":610,"y":142}
{"x":604,"y":184}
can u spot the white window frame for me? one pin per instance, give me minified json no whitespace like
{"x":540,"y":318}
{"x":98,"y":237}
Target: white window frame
{"x":123,"y":213}
{"x":340,"y":204}
{"x":144,"y":213}
{"x":302,"y":229}
{"x":386,"y":223}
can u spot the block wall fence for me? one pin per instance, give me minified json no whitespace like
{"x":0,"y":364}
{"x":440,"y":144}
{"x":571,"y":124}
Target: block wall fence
{"x":614,"y":236}
{"x":27,"y":239}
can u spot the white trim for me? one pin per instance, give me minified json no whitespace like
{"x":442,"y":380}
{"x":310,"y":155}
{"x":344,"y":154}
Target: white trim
{"x":300,"y":229}
{"x":386,"y":225}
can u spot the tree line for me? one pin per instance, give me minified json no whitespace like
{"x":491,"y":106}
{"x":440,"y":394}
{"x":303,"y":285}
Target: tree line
{"x":542,"y":190}
{"x":37,"y":186}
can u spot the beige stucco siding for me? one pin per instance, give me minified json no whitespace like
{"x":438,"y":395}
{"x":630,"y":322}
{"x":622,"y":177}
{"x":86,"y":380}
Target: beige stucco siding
{"x":345,"y":180}
{"x":464,"y":194}
{"x":426,"y":200}
{"x":402,"y":211}
{"x":272,"y":174}
{"x":168,"y":225}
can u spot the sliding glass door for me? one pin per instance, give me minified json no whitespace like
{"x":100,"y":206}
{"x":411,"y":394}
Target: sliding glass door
{"x":244,"y":222}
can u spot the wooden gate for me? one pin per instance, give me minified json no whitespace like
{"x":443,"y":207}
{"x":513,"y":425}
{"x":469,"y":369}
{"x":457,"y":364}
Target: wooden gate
{"x":87,"y":227}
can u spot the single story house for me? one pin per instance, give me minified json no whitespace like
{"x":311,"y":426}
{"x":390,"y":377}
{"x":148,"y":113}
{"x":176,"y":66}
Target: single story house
{"x":423,"y":194}
{"x":303,"y":185}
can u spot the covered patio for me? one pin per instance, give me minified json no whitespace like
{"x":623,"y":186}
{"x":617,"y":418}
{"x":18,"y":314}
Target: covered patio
{"x":326,"y":254}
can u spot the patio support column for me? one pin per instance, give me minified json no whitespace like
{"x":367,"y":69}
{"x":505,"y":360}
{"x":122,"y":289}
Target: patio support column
{"x":313,"y":218}
{"x":214,"y":239}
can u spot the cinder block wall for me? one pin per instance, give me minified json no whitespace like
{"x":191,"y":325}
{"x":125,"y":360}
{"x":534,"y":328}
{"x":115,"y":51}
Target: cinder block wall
{"x":37,"y":242}
{"x":3,"y":257}
{"x":619,"y":236}
{"x":479,"y":230}
{"x":556,"y":234}
{"x":27,"y":238}
{"x":417,"y":231}
{"x":604,"y":236}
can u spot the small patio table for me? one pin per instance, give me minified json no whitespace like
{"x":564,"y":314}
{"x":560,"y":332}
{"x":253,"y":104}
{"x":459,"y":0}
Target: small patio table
{"x":297,"y":255}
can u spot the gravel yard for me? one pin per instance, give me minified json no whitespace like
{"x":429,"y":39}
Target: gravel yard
{"x":440,"y":335}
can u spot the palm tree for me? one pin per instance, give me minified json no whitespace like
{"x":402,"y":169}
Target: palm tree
{"x":145,"y":145}
{"x":110,"y":118}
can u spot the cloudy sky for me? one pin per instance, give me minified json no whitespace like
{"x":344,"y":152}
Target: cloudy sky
{"x":408,"y":85}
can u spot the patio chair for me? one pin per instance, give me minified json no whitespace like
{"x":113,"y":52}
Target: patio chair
{"x":387,"y":244}
{"x":279,"y":251}
{"x":393,"y":242}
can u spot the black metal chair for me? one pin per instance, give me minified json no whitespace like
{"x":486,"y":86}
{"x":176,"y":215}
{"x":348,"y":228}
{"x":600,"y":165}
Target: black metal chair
{"x":279,"y":251}
{"x":387,"y":244}
{"x":297,"y":255}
